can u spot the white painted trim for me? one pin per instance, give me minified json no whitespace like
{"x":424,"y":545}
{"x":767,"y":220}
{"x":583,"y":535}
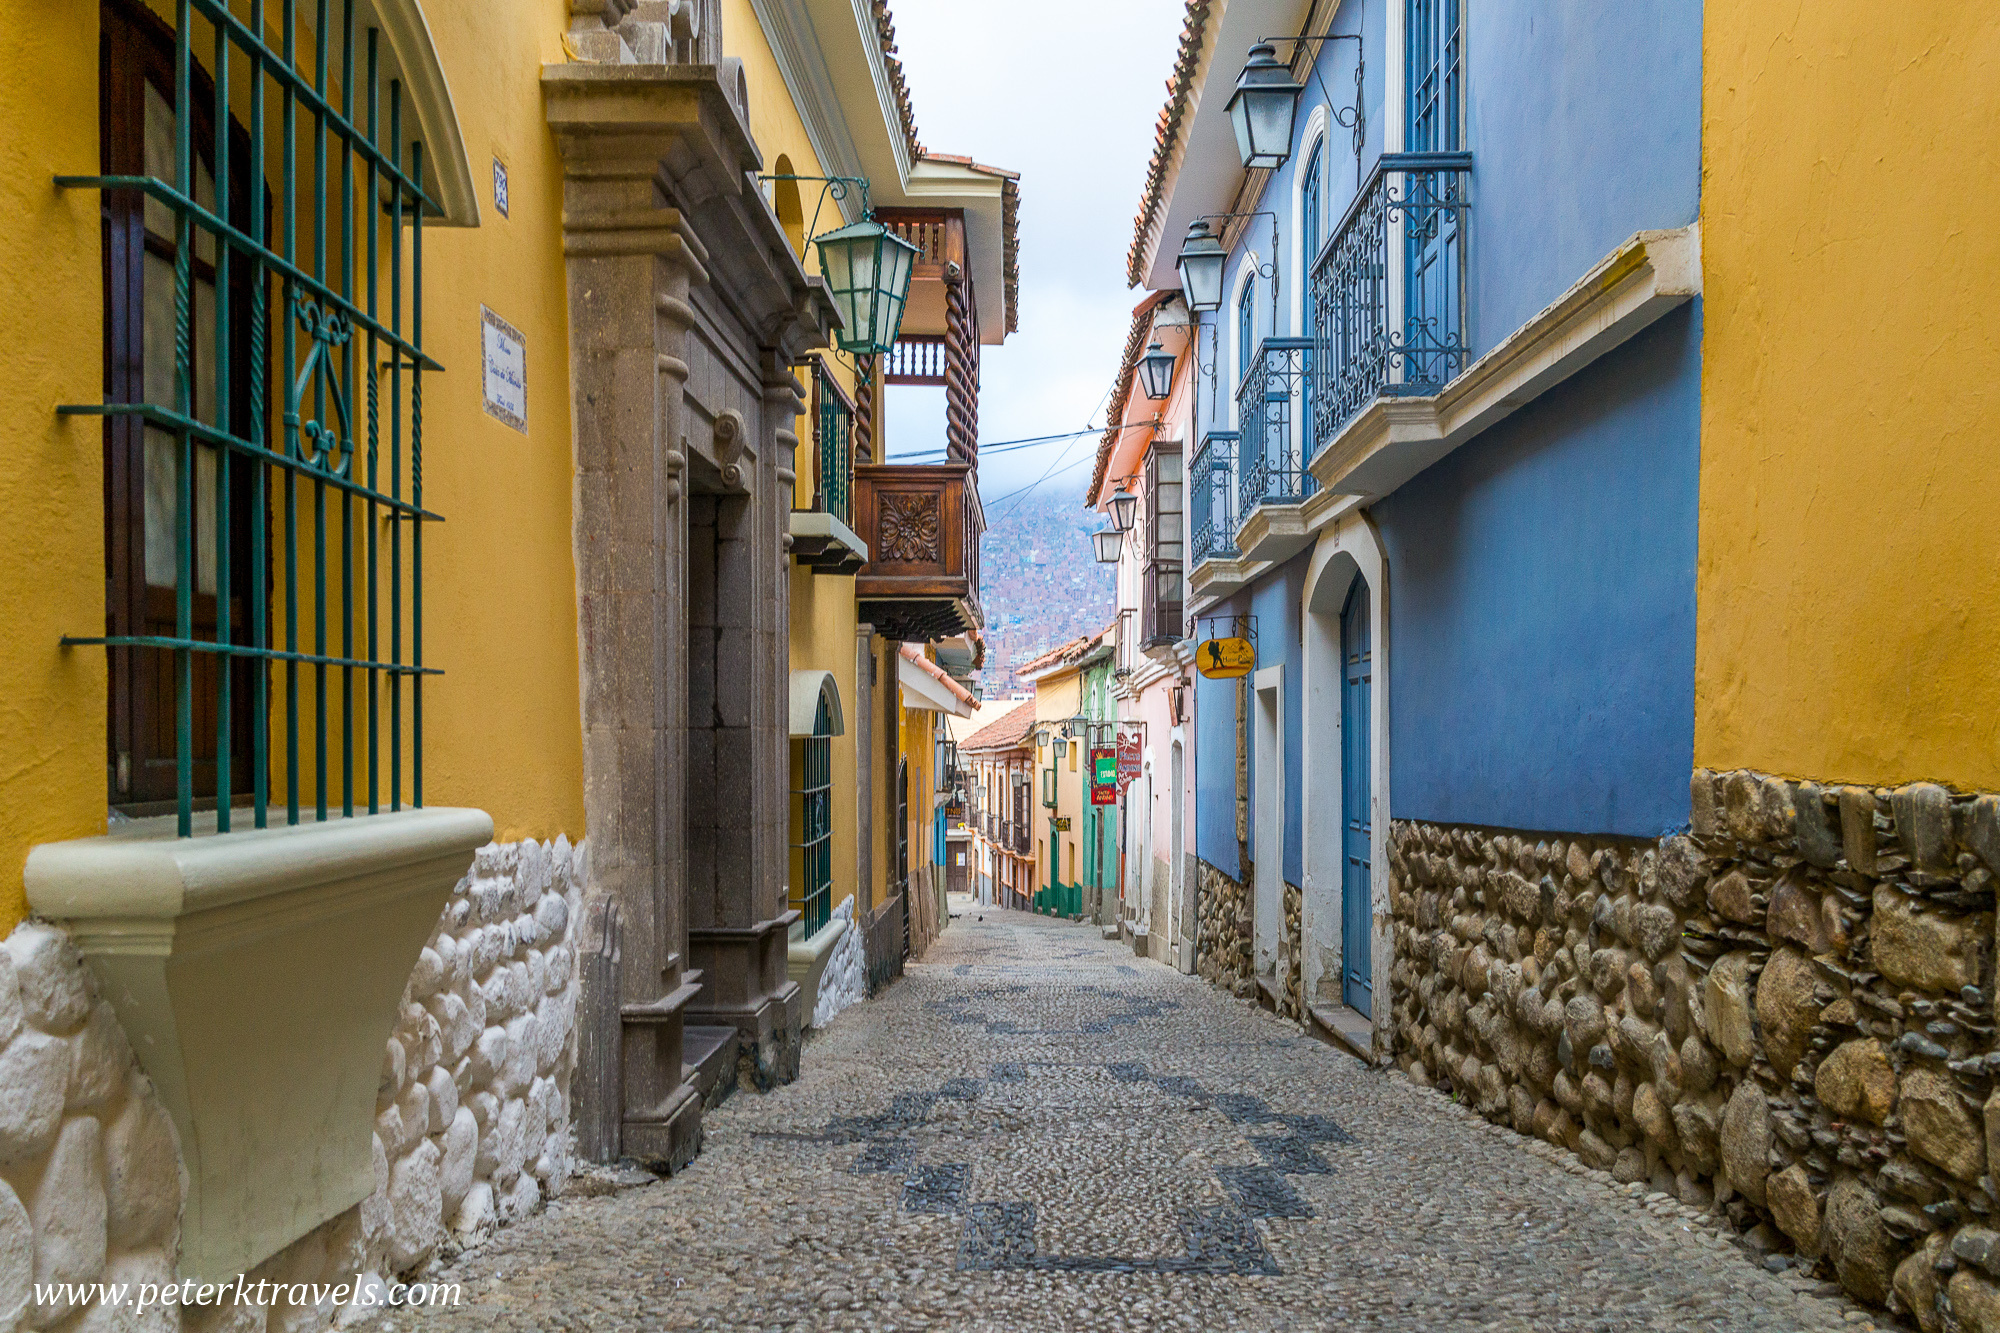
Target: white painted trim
{"x":878,"y":69}
{"x":1394,"y":439}
{"x":229,"y":956}
{"x":795,"y":45}
{"x":413,"y":56}
{"x":1395,"y":102}
{"x":1239,"y":363}
{"x":1347,"y":549}
{"x":807,"y":688}
{"x":1267,"y":817}
{"x":1315,"y":138}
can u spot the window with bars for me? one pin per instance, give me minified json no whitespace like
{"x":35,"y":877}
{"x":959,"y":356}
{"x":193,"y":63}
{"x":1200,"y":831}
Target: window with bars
{"x":812,"y":823}
{"x":263,"y":220}
{"x":833,"y":442}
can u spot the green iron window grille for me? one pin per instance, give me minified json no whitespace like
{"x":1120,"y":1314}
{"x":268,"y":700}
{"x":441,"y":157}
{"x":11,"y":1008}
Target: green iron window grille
{"x":812,"y":880}
{"x":833,"y":422}
{"x":216,"y":496}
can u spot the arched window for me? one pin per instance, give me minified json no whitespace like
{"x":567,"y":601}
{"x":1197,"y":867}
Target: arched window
{"x":1309,"y":224}
{"x":812,"y":821}
{"x":1246,"y":329}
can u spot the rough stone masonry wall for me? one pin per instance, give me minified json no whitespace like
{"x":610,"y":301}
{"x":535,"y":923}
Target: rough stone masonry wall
{"x":1787,"y":1012}
{"x":1225,"y":950}
{"x":472,"y":1125}
{"x":1226,"y":940}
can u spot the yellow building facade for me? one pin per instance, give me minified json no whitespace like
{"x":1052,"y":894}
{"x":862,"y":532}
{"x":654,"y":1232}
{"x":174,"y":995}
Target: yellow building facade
{"x":489,"y":745}
{"x":1847,"y":578}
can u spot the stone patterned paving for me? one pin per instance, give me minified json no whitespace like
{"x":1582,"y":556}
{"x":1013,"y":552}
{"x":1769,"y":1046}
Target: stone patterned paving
{"x":1030,"y":1133}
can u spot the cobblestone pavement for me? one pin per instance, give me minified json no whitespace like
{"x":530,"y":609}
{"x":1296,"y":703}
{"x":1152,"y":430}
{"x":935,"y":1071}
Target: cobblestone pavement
{"x":1035,"y":1131}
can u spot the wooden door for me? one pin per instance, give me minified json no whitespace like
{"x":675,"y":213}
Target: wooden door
{"x":1357,"y":677}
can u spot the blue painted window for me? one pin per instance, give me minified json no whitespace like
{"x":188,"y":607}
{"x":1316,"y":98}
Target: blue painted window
{"x":1436,"y":76}
{"x":1309,"y":240}
{"x":1433,"y":260}
{"x":1246,"y":330}
{"x":1309,"y":217}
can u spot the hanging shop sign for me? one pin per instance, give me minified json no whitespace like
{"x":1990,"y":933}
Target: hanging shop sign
{"x":1131,"y":758}
{"x":1104,"y":785}
{"x":1226,"y":659}
{"x":1062,"y":823}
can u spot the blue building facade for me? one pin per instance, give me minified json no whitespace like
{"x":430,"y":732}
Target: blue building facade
{"x":1447,"y":454}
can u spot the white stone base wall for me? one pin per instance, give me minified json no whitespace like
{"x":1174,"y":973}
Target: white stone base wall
{"x":845,"y":980}
{"x":90,"y":1179}
{"x":473,"y":1126}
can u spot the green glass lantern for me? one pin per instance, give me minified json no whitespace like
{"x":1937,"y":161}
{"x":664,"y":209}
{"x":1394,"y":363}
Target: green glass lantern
{"x":867,"y":269}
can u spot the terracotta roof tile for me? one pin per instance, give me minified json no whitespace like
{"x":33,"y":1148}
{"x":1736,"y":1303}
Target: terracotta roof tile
{"x":1005,"y":734}
{"x":1121,"y":391}
{"x":1166,"y":134}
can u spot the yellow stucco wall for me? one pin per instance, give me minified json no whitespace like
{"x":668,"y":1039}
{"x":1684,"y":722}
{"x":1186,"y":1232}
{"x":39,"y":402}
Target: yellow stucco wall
{"x":502,"y":729}
{"x":1851,"y":394}
{"x":52,"y":710}
{"x":823,"y":619}
{"x":1058,"y":697}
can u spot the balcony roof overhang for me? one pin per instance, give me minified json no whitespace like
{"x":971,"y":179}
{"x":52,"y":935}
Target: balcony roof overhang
{"x":851,"y":101}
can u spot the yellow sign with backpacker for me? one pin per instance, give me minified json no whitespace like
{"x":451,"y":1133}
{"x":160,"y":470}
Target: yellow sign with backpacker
{"x":1226,"y":659}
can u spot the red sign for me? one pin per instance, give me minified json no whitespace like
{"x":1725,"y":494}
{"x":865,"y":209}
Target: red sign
{"x":1131,"y":758}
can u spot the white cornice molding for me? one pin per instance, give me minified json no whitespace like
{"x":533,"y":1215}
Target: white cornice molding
{"x":795,"y":45}
{"x":885,"y":93}
{"x":1393,"y":439}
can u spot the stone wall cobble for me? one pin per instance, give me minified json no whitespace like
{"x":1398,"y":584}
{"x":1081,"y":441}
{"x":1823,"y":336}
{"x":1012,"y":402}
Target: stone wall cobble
{"x":1225,"y":952}
{"x":1786,"y":1013}
{"x":472,"y":1122}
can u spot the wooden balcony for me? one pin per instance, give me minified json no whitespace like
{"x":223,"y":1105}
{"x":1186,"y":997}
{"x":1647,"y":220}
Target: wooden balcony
{"x":940,"y":342}
{"x":921,"y":524}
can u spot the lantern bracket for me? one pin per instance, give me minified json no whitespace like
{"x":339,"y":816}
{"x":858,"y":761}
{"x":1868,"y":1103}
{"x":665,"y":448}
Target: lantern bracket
{"x":836,"y":188}
{"x":1268,"y":272}
{"x":1354,"y":117}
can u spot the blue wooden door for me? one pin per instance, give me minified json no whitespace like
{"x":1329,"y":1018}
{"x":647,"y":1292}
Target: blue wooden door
{"x":1357,"y":981}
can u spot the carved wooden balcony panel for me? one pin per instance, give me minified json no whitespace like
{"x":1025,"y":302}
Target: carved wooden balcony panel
{"x":921,"y":524}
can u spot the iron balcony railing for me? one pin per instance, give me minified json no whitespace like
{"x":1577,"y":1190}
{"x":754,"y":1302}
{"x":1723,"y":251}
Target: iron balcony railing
{"x":1388,"y":290}
{"x":1212,"y":496}
{"x":1269,"y":412}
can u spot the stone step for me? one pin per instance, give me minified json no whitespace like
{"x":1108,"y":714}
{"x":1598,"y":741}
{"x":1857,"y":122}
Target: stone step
{"x":708,"y":1060}
{"x":1345,"y":1027}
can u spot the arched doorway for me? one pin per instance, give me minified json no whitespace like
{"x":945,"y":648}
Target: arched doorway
{"x":1344,"y":806}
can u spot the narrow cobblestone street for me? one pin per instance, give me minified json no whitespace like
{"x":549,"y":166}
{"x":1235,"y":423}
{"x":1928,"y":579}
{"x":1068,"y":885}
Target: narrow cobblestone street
{"x":1033,"y":1131}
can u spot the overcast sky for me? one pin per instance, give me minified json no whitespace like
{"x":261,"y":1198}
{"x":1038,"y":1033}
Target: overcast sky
{"x":1071,"y":106}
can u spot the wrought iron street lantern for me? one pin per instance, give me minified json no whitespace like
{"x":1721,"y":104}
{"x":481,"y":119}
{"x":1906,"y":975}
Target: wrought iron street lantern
{"x":868,"y":270}
{"x":1108,"y":542}
{"x":1200,"y":263}
{"x":1156,"y":372}
{"x":1124,"y":509}
{"x":1263,"y":109}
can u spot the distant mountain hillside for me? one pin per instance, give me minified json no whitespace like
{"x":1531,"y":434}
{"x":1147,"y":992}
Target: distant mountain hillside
{"x":1040,"y":582}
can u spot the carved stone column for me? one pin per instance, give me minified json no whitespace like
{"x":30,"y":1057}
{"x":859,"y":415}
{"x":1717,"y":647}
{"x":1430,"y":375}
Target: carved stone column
{"x":628,"y":262}
{"x":688,"y":309}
